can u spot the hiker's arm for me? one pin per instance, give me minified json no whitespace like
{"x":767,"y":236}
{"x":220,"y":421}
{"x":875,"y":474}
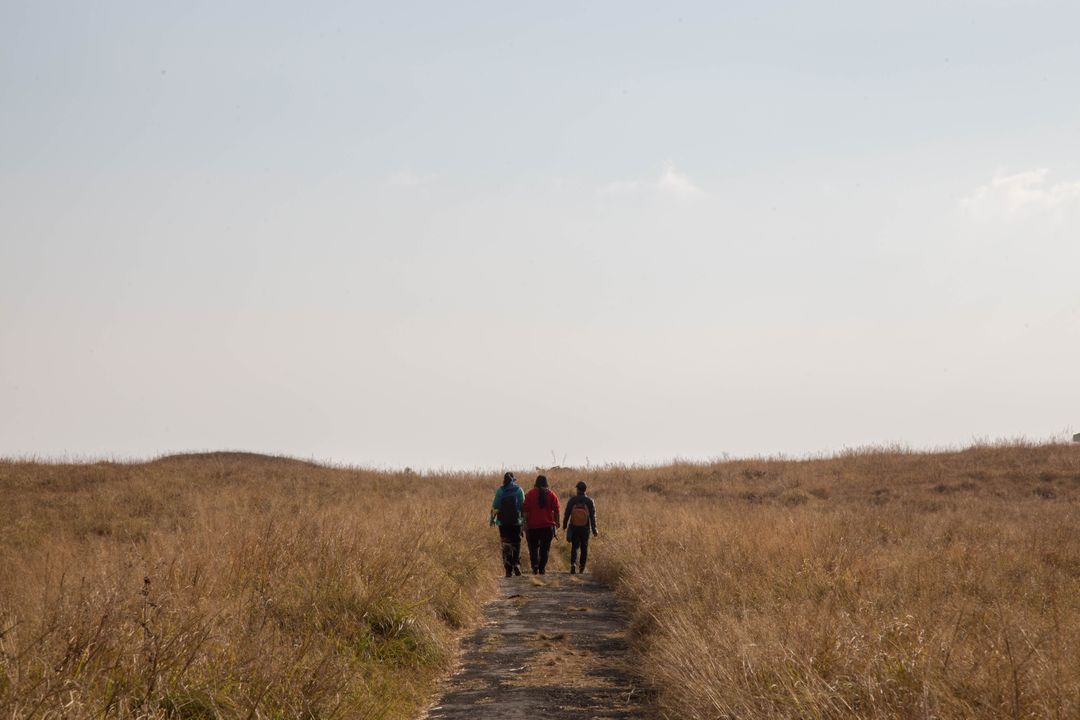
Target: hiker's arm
{"x":566,"y":513}
{"x":592,"y":516}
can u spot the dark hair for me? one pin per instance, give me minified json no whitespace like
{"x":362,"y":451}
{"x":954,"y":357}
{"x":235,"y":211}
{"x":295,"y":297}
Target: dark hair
{"x":508,"y":478}
{"x":581,"y":487}
{"x":542,"y":483}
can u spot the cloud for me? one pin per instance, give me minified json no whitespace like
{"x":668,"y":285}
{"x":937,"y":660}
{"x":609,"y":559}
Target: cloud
{"x":1021,"y":195}
{"x":409,"y":178}
{"x":674,"y":182}
{"x":670,"y":183}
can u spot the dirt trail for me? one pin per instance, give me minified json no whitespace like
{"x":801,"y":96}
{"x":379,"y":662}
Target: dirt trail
{"x":552,"y":647}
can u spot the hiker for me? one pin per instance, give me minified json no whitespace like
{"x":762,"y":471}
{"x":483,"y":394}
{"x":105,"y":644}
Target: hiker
{"x":541,"y":521}
{"x":581,"y":516}
{"x":506,"y":513}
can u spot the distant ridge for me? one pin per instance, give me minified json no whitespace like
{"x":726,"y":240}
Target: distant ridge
{"x":233,"y":456}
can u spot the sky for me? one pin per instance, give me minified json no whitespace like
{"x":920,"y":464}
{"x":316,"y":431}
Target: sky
{"x":489,"y":234}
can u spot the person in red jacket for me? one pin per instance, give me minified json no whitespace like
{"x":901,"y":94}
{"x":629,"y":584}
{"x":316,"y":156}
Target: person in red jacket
{"x":541,"y":510}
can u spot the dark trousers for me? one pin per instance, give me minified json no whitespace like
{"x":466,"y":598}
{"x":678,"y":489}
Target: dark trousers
{"x":579,"y":540}
{"x":510,"y":539}
{"x":539,"y":540}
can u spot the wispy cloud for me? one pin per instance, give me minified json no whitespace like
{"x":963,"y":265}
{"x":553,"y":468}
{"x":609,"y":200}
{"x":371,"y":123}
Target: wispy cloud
{"x":674,"y":182}
{"x":669,"y":183}
{"x":409,"y":178}
{"x":1021,"y":195}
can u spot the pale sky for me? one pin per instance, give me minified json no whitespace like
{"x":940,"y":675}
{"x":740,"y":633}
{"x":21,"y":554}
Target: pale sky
{"x":488,"y":234}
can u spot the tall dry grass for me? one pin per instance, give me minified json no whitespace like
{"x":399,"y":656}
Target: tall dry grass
{"x":232,"y":586}
{"x":877,"y":584}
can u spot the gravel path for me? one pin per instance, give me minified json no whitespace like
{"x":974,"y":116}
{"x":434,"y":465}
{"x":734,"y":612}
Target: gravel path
{"x":551,"y":647}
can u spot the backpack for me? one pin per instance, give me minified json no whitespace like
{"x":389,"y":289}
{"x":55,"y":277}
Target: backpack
{"x":508,"y":507}
{"x":579,"y":515}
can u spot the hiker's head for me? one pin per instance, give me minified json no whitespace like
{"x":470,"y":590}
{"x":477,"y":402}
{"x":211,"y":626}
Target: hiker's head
{"x":581,"y":487}
{"x":542,"y":483}
{"x":508,"y":478}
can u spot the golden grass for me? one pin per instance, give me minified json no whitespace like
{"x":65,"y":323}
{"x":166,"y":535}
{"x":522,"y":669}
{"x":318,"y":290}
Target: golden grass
{"x":877,"y":584}
{"x":872,"y":585}
{"x":231,"y":586}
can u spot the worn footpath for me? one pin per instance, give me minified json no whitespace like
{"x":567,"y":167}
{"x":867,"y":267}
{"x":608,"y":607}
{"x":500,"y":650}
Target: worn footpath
{"x":552,"y":646}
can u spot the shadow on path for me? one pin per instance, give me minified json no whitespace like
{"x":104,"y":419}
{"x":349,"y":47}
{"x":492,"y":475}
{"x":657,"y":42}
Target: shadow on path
{"x":552,"y":647}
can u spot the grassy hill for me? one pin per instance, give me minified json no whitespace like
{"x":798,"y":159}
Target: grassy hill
{"x":231,"y":585}
{"x":876,"y":584}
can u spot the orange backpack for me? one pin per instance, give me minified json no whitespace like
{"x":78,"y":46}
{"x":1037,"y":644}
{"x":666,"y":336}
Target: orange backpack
{"x":579,"y":515}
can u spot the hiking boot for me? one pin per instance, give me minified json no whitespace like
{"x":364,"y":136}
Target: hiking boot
{"x":581,"y":570}
{"x":508,"y":573}
{"x":535,"y":570}
{"x":517,"y":569}
{"x":572,"y":570}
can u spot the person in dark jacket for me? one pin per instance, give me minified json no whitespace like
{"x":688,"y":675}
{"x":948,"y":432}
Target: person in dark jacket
{"x":541,"y":510}
{"x":578,"y":520}
{"x":506,"y":513}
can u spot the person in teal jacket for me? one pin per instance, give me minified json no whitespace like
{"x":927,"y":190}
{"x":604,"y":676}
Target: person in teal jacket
{"x":506,"y":513}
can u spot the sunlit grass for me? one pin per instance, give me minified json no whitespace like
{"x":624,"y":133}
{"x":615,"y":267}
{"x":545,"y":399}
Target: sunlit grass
{"x":230,"y":586}
{"x":877,"y":584}
{"x":880,"y":584}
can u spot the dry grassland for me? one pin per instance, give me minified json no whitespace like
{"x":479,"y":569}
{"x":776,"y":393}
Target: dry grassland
{"x":873,"y":585}
{"x":231,"y":586}
{"x":877,"y":584}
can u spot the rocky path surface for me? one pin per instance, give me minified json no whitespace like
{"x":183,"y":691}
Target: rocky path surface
{"x":552,"y":647}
